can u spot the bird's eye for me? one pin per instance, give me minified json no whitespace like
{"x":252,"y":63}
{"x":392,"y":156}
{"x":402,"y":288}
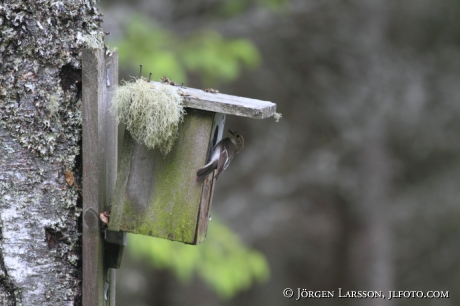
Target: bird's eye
{"x":237,"y":136}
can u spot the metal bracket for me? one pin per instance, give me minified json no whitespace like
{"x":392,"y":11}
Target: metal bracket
{"x":115,"y":242}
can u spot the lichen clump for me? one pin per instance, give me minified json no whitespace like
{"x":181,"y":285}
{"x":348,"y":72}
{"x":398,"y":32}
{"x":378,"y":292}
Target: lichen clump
{"x":151,"y":112}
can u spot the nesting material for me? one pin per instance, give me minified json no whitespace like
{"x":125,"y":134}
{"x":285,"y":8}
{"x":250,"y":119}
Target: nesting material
{"x":151,"y":112}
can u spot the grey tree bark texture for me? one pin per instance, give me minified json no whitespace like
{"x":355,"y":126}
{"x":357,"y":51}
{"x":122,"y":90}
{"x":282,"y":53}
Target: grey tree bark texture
{"x":40,"y":139}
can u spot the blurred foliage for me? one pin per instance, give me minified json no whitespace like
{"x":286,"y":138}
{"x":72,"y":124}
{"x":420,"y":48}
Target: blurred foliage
{"x":205,"y":53}
{"x":233,"y":8}
{"x":224,"y":263}
{"x":273,"y":5}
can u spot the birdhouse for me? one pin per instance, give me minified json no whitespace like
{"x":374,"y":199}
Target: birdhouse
{"x":158,"y":195}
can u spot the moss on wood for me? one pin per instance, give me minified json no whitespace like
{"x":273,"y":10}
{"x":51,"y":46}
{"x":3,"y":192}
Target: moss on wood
{"x":172,"y":196}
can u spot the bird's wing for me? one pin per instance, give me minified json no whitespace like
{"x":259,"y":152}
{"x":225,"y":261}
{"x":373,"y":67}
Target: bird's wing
{"x":223,"y":160}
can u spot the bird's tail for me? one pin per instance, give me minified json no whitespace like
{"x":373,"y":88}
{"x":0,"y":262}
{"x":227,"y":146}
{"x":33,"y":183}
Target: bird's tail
{"x":204,"y":171}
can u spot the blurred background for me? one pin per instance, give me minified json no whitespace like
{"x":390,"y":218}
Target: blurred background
{"x":357,"y":186}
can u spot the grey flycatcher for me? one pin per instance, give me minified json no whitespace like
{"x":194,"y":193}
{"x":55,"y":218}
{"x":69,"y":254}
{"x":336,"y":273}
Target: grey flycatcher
{"x":222,"y":154}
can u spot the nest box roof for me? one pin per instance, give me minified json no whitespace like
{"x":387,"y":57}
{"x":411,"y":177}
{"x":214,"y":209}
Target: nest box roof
{"x":226,"y":104}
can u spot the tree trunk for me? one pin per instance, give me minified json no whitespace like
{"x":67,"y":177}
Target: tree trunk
{"x":40,"y":164}
{"x":377,"y":239}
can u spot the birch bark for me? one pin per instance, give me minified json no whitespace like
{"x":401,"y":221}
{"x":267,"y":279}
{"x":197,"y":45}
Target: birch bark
{"x":40,"y":138}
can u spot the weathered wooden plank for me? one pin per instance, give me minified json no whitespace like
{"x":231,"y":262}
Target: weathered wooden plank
{"x":111,"y":134}
{"x":226,"y":104}
{"x":111,"y":151}
{"x":99,"y":165}
{"x":207,"y":190}
{"x":93,"y":68}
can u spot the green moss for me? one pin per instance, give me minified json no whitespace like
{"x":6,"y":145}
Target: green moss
{"x":174,"y":196}
{"x":172,"y":213}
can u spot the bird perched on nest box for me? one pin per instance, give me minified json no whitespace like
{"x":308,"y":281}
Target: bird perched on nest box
{"x":222,"y":154}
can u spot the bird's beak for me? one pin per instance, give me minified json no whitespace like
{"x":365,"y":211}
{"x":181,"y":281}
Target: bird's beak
{"x":233,"y":133}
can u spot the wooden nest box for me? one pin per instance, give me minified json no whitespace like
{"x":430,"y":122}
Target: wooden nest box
{"x":158,"y":195}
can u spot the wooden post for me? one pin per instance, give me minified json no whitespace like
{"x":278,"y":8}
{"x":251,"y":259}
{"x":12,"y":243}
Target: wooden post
{"x":100,"y":78}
